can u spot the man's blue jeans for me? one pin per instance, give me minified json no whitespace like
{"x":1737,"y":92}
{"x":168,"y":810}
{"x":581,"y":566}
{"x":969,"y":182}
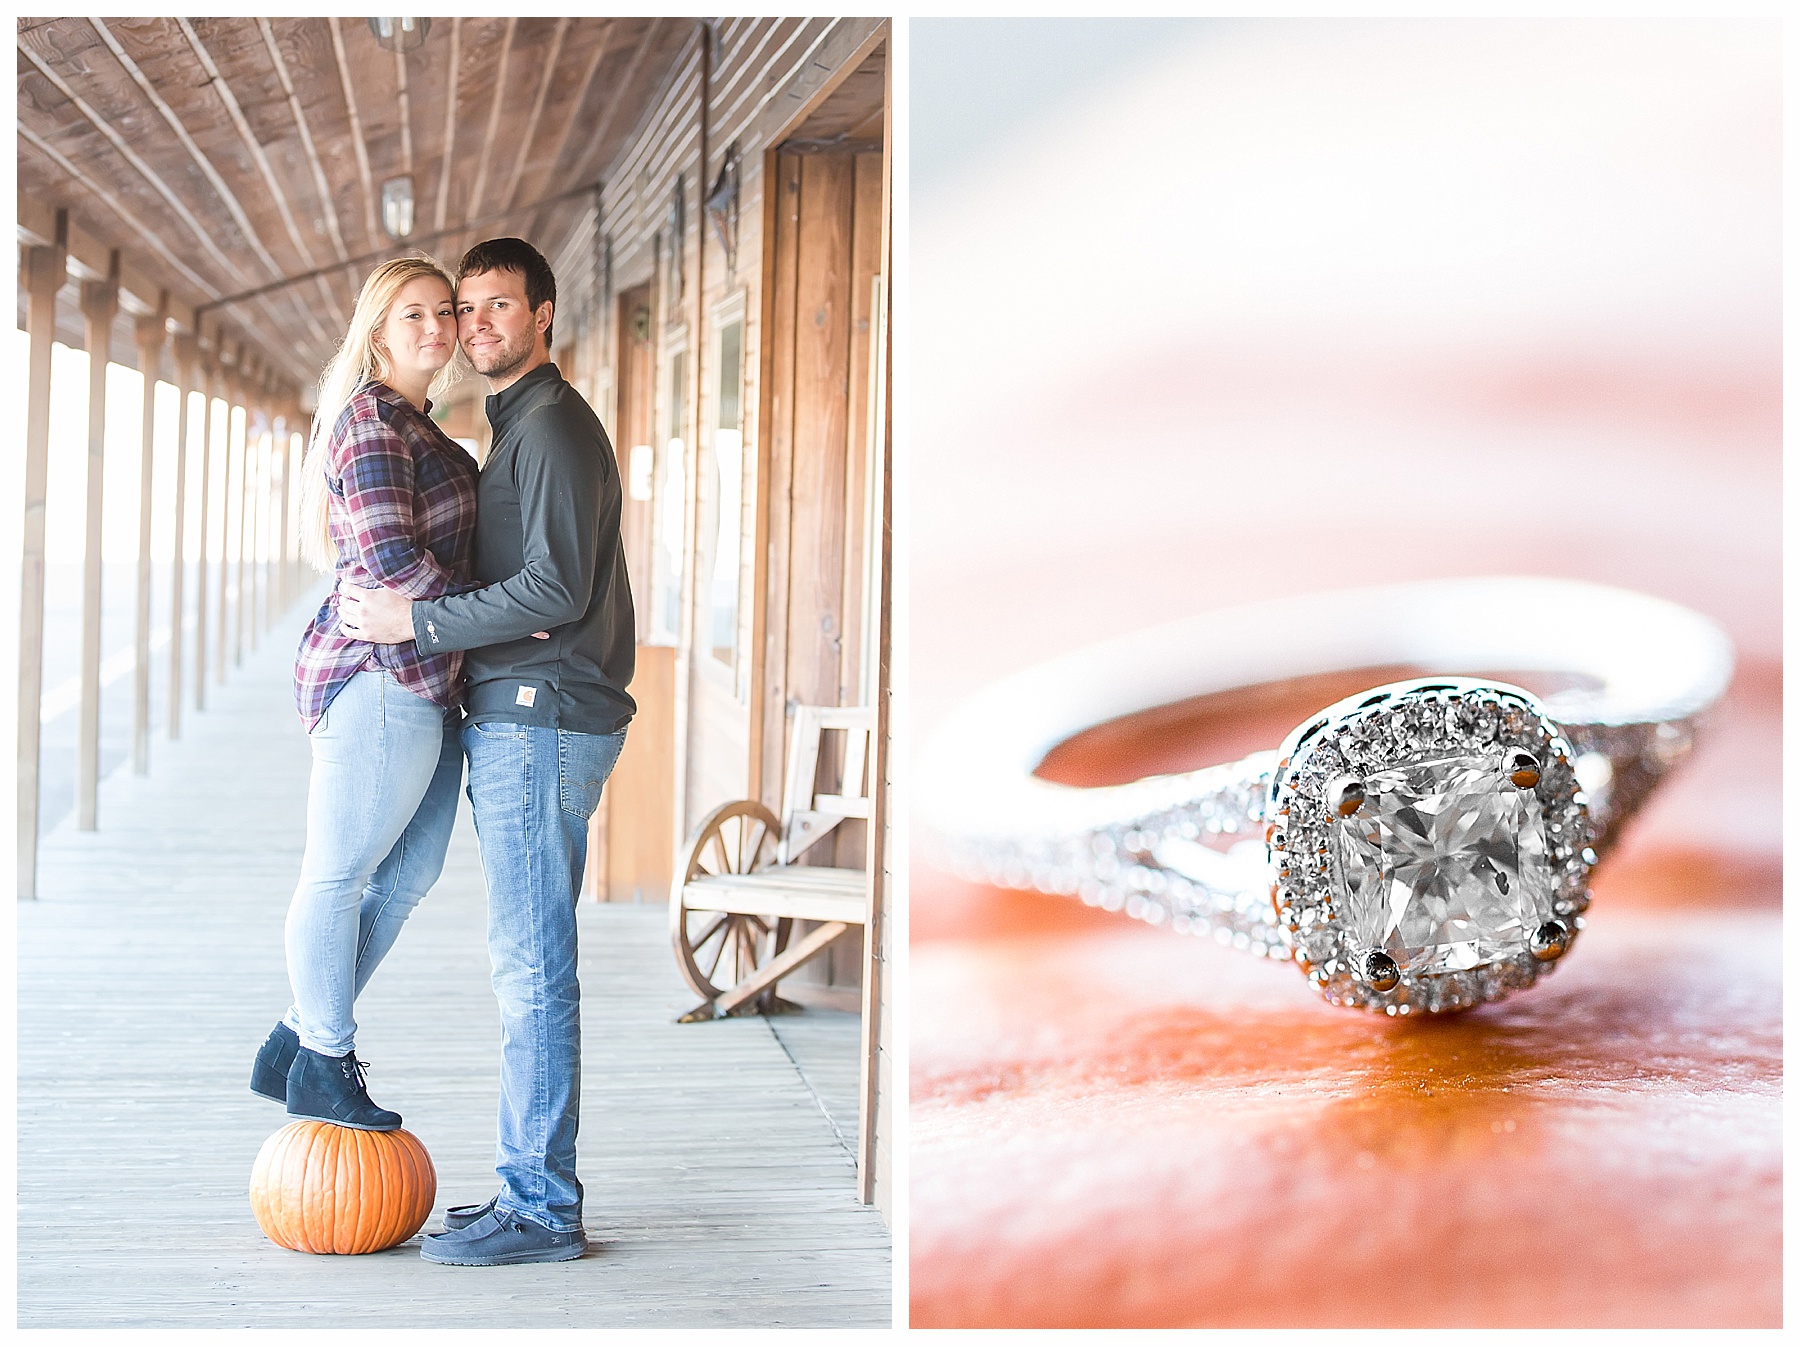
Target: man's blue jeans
{"x":534,"y":790}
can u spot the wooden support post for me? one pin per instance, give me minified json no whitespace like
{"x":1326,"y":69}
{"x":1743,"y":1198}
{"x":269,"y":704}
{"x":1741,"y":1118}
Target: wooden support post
{"x":209,"y":375}
{"x":265,"y":511}
{"x":259,"y":519}
{"x":246,"y":493}
{"x":252,"y":529}
{"x":280,"y":470}
{"x":259,"y":430}
{"x":152,"y":332}
{"x":99,"y":306}
{"x":284,"y":532}
{"x":283,"y":468}
{"x":252,"y":524}
{"x":689,"y":644}
{"x":186,"y":350}
{"x":232,"y":619}
{"x":278,"y":493}
{"x":873,"y":1166}
{"x":245,"y":513}
{"x":298,"y":566}
{"x":253,"y":474}
{"x":45,"y":269}
{"x":248,"y":526}
{"x":227,"y":484}
{"x":247,"y":522}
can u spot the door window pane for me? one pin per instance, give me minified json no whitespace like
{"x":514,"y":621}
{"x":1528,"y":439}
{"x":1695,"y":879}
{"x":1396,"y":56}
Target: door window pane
{"x":669,"y":524}
{"x":720,"y":598}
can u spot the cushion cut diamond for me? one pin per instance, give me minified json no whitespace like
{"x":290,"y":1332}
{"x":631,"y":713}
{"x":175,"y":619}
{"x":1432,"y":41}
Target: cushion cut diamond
{"x":1444,"y":867}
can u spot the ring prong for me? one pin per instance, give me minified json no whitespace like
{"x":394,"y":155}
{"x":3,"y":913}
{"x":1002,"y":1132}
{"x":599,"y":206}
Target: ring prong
{"x":1381,"y":972}
{"x":1550,"y":941}
{"x":1345,"y":795}
{"x":1523,"y":768}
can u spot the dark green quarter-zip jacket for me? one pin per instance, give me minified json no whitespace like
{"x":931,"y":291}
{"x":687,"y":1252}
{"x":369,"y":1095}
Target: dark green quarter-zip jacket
{"x":547,"y":547}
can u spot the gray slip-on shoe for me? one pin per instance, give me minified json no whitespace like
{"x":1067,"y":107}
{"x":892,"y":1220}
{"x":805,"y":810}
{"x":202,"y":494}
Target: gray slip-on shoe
{"x":461,"y":1217}
{"x":502,"y":1238}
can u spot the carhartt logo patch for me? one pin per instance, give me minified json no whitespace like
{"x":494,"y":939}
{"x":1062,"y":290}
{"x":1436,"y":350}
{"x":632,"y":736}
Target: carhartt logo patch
{"x":527,"y":695}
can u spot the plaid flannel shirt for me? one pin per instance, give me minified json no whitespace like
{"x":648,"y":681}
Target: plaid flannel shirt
{"x":402,"y":514}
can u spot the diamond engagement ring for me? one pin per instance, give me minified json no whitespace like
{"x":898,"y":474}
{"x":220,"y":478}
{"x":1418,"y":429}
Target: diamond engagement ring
{"x":1421,"y":846}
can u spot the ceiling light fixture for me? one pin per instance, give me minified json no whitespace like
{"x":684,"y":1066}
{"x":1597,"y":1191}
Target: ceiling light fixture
{"x":400,"y":34}
{"x":397,"y":207}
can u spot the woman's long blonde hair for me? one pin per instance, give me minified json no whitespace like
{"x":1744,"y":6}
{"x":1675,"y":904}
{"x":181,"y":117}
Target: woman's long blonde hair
{"x":358,"y":361}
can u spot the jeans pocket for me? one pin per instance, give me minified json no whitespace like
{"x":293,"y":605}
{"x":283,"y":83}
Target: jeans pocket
{"x":584,"y":761}
{"x":496,"y":729}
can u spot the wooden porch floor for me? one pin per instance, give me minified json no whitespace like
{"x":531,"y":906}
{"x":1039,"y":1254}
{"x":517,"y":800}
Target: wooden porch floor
{"x":716,"y":1157}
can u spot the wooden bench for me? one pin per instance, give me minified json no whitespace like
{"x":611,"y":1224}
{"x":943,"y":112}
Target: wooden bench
{"x":735,"y":898}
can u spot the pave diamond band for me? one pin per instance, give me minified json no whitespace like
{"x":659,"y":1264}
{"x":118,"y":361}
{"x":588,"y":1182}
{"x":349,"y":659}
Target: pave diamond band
{"x":1421,"y":846}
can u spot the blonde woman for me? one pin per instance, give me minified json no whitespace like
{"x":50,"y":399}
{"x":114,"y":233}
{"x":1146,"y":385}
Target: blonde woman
{"x":387,"y":500}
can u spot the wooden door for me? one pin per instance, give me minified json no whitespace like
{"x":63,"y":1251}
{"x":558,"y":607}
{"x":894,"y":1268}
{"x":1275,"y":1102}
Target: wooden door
{"x":826,"y":246}
{"x":825,"y":255}
{"x":633,"y":843}
{"x":634,"y":371}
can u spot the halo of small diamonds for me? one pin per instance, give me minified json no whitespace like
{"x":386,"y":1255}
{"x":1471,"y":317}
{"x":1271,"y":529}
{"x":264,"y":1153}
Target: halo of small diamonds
{"x":1476,"y":726}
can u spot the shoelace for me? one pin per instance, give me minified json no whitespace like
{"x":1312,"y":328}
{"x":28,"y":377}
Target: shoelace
{"x":359,"y":1068}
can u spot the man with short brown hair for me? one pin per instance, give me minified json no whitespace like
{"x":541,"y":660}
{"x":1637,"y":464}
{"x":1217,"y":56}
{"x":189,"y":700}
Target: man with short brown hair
{"x":551,"y":646}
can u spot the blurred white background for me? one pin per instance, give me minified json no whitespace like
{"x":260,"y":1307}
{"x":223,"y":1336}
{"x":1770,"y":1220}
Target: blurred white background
{"x":1203,"y":310}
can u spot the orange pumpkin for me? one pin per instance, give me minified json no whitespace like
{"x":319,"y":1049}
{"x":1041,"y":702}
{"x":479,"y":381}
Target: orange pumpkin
{"x":320,"y":1188}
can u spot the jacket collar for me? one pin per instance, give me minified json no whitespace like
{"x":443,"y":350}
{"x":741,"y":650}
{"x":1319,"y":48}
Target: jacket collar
{"x":505,"y":407}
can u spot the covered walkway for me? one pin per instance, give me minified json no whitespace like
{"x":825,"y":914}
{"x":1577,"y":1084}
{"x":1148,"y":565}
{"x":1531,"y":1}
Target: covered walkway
{"x":718,"y":1158}
{"x":200,"y":200}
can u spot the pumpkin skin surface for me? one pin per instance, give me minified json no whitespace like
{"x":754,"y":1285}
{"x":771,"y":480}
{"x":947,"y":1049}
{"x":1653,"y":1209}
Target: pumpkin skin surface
{"x":321,"y":1188}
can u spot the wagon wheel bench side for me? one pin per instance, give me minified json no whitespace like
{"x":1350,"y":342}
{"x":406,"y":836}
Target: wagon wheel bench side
{"x":737,"y":893}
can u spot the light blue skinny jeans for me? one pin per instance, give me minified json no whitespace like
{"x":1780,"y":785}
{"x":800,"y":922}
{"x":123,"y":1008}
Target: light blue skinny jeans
{"x":534,"y":789}
{"x":387,"y":765}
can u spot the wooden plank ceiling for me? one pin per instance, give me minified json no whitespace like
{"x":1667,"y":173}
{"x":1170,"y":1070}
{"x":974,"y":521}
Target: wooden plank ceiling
{"x":232,"y":154}
{"x":852,"y":118}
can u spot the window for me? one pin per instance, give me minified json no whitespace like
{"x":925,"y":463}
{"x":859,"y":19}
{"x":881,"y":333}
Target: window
{"x":722,"y":517}
{"x":668,"y":526}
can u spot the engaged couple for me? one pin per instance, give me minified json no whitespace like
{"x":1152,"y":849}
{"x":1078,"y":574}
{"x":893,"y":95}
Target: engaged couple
{"x":480,"y":615}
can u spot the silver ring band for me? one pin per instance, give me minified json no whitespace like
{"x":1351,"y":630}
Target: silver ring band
{"x":1646,"y":669}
